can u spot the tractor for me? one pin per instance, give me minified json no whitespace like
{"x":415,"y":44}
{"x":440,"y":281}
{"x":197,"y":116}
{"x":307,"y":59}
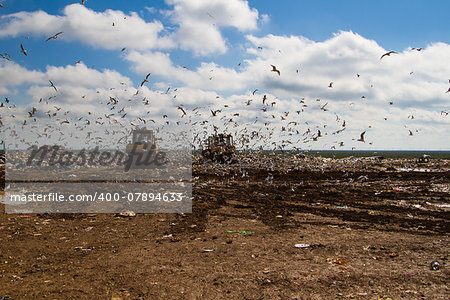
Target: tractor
{"x":219,"y":148}
{"x":142,"y":145}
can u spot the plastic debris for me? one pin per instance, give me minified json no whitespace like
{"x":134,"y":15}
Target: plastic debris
{"x":241,"y":231}
{"x":127,"y":213}
{"x":435,"y":265}
{"x":208,"y":250}
{"x":302,"y":245}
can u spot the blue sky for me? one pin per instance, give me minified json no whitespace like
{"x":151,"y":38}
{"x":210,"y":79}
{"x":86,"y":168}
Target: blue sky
{"x":227,"y":49}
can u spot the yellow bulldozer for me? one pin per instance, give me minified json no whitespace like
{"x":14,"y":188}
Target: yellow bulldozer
{"x":142,"y":145}
{"x":219,"y":148}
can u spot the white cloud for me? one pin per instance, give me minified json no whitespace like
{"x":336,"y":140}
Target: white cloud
{"x":93,"y":28}
{"x":415,"y":81}
{"x":200,"y":22}
{"x":13,"y":74}
{"x":363,"y":102}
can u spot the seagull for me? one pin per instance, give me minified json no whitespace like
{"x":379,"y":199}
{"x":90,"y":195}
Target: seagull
{"x":146,"y":79}
{"x":274,"y":69}
{"x":53,"y":85}
{"x":410,"y":132}
{"x":53,"y":37}
{"x":331,"y":84}
{"x":184,"y":112}
{"x":448,"y":91}
{"x":361,"y":138}
{"x":23,"y":50}
{"x":254,"y":91}
{"x":387,"y":54}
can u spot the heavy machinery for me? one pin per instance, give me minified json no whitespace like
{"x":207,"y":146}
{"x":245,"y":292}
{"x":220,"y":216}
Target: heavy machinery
{"x":219,"y":148}
{"x":142,"y":145}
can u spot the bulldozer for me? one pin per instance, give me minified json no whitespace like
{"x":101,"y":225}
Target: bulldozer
{"x":219,"y":148}
{"x":142,"y":145}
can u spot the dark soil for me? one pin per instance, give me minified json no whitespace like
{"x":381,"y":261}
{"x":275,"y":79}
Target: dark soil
{"x":373,"y":232}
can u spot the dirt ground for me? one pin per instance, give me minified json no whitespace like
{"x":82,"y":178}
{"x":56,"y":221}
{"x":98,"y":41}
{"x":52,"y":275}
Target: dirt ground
{"x":373,"y":229}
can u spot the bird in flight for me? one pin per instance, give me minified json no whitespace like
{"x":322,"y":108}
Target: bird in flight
{"x":23,"y":50}
{"x":331,"y":84}
{"x":274,"y":69}
{"x":146,"y":79}
{"x":51,"y":83}
{"x":361,"y":137}
{"x":387,"y":54}
{"x":448,"y":91}
{"x":53,"y":37}
{"x":184,"y":112}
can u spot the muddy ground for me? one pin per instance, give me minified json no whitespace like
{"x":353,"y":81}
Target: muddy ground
{"x":373,"y":229}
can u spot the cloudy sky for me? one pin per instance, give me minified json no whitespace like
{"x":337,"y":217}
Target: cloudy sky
{"x":287,"y":74}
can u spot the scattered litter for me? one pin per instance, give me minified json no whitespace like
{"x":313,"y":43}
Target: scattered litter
{"x":439,"y":205}
{"x":208,"y":250}
{"x":435,"y":265}
{"x":302,"y":245}
{"x":241,"y":231}
{"x":339,"y":261}
{"x":127,"y":213}
{"x":345,"y":206}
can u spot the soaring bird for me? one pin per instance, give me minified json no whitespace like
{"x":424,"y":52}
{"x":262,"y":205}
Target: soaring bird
{"x":331,"y":84}
{"x":361,"y":137}
{"x":53,"y":37}
{"x":146,"y":79}
{"x":274,"y":69}
{"x":184,"y":112}
{"x":51,"y":83}
{"x":387,"y":54}
{"x":448,"y":91}
{"x":23,"y":50}
{"x":410,"y":132}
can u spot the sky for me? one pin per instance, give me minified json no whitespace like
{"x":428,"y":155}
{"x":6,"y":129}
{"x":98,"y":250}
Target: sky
{"x":211,"y":69}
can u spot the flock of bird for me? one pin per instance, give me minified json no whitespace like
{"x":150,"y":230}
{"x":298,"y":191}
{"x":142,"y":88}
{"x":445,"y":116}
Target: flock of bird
{"x":268,"y":129}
